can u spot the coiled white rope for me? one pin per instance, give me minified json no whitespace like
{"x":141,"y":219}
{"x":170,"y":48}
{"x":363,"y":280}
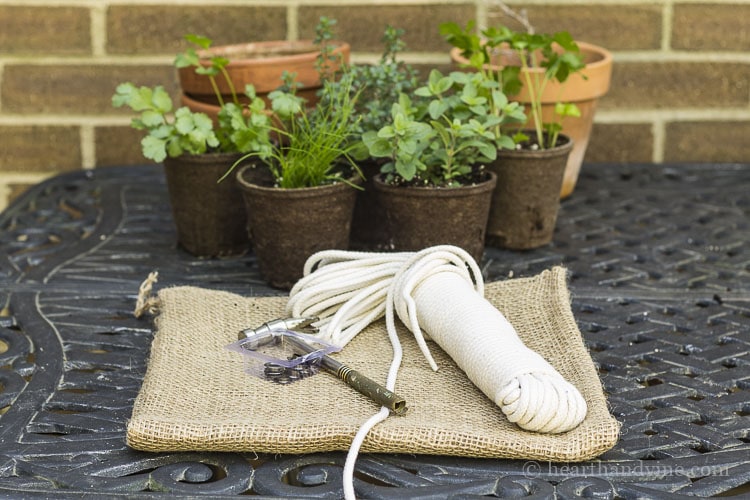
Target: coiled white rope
{"x":441,"y":290}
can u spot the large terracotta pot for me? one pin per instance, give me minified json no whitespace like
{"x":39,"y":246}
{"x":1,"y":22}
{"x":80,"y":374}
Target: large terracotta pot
{"x":287,"y":226}
{"x":526,"y":200}
{"x":209,"y":216}
{"x":261,"y":64}
{"x":421,"y":217}
{"x":583,"y":88}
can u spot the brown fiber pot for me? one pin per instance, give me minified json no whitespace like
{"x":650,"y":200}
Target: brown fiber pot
{"x":584,"y":88}
{"x":210,"y":216}
{"x":289,"y":225}
{"x":420,"y":217}
{"x":527,"y":197}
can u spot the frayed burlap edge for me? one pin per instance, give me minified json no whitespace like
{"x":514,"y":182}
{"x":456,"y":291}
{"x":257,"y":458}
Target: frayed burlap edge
{"x":195,"y":395}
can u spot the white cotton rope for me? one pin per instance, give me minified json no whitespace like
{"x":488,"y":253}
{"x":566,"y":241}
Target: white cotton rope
{"x":439,"y":290}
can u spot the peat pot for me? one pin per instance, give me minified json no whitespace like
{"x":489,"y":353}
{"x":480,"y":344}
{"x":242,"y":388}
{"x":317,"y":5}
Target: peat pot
{"x":287,"y":226}
{"x":209,"y":216}
{"x":527,"y":197}
{"x":420,"y":217}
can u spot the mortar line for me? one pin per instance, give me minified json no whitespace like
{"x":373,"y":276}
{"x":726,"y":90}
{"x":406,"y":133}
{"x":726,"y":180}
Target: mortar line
{"x":666,"y":26}
{"x":292,"y":21}
{"x":88,"y":146}
{"x":98,"y":27}
{"x":658,"y":129}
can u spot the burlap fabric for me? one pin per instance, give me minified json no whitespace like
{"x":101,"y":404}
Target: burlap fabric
{"x":195,"y":395}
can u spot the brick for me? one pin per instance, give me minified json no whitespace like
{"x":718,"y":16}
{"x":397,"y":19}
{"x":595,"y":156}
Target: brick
{"x":118,"y":146}
{"x":363,"y":26}
{"x":45,"y":30}
{"x":600,"y":24}
{"x":707,"y":142}
{"x":679,"y":84}
{"x":160,"y":29}
{"x":76,"y":89}
{"x":620,"y":143}
{"x":711,"y":27}
{"x":40,"y":148}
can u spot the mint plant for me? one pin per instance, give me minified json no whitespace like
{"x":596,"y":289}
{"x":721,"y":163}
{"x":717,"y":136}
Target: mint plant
{"x":557,"y":54}
{"x":444,"y":137}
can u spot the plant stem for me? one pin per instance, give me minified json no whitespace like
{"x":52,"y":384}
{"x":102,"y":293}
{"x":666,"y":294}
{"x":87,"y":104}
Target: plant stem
{"x":232,"y":89}
{"x":216,"y":90}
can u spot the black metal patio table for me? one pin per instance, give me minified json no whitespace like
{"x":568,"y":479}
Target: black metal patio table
{"x":660,"y":282}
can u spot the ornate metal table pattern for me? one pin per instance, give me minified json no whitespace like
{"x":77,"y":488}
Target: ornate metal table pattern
{"x":659,"y":265}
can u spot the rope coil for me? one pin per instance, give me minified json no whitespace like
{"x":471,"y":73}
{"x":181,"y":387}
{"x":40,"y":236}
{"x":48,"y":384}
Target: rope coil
{"x":350,"y":290}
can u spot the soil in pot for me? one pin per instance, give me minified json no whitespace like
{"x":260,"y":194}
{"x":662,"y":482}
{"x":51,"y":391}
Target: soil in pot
{"x":289,"y":225}
{"x":420,"y":217}
{"x":526,"y":200}
{"x":209,"y":216}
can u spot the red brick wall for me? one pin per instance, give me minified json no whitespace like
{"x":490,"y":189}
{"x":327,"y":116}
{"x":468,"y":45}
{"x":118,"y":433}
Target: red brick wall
{"x":680,"y":89}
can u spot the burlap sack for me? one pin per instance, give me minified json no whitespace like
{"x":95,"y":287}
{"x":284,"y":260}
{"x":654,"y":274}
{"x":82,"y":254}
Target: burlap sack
{"x":195,"y":395}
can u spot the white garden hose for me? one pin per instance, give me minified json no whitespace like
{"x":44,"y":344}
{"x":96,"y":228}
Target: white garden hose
{"x":439,"y":289}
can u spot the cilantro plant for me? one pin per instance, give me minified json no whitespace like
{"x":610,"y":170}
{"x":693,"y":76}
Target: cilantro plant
{"x":241,"y":128}
{"x":557,"y":54}
{"x":187,"y":132}
{"x":216,"y":67}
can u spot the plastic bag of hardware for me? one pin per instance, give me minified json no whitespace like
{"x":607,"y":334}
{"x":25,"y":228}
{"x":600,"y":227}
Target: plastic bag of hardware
{"x":282,"y":356}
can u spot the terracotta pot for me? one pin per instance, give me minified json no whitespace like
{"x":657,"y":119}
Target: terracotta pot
{"x":262,"y":64}
{"x":527,"y":197}
{"x":209,"y":216}
{"x":420,"y":217}
{"x":583,"y":88}
{"x":288,"y":225}
{"x":212,"y":110}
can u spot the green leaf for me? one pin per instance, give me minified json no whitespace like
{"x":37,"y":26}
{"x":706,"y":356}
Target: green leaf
{"x":407,"y":170}
{"x":505,"y":142}
{"x":151,"y":119}
{"x":183,"y":122}
{"x":436,"y":109}
{"x":201,"y":41}
{"x":153,"y":148}
{"x":423,"y":92}
{"x":564,"y":109}
{"x":161,"y":100}
{"x":377,"y":146}
{"x":186,"y":59}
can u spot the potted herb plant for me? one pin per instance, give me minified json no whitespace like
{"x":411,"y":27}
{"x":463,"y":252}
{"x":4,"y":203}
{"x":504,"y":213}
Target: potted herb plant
{"x":530,"y":177}
{"x":434,"y":188}
{"x":261,"y":64}
{"x":300,"y":197}
{"x":542,"y":71}
{"x":196,"y":152}
{"x":378,"y":87}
